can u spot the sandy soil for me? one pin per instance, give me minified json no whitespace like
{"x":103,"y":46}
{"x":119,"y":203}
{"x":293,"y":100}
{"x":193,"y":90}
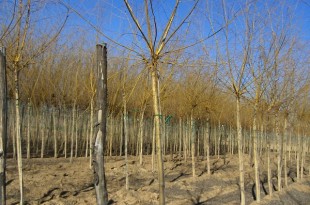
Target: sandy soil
{"x":57,"y":181}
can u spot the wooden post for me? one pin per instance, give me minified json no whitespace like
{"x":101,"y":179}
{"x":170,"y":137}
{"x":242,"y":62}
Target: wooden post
{"x":3,"y":124}
{"x":98,"y":162}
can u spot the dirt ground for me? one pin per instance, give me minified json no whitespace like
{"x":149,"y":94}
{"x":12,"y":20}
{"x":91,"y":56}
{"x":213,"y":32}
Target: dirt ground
{"x":58,"y":182}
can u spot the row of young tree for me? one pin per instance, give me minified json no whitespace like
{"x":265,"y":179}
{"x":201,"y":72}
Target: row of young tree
{"x":247,"y":92}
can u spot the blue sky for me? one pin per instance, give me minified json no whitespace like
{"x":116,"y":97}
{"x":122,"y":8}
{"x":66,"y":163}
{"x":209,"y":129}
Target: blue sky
{"x":112,"y":19}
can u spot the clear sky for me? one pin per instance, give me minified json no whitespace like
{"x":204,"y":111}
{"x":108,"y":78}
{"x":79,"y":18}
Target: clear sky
{"x":112,"y":18}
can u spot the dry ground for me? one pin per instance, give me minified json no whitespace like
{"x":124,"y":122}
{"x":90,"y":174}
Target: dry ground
{"x":56,"y":181}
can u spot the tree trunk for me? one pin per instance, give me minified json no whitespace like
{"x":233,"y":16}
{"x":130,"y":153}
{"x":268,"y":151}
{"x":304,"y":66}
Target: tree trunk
{"x":111,"y":134}
{"x":298,"y":150}
{"x":180,"y":137}
{"x":125,"y":132}
{"x":13,"y":131}
{"x":255,"y":154}
{"x":269,"y":167}
{"x":302,"y":157}
{"x":91,"y":131}
{"x":3,"y":125}
{"x":72,"y":132}
{"x":208,"y":146}
{"x":121,"y":137}
{"x":141,"y":129}
{"x":18,"y":135}
{"x":157,"y":115}
{"x":87,"y":128}
{"x":42,"y":135}
{"x":55,"y":133}
{"x":153,"y":147}
{"x":28,"y":130}
{"x":65,"y":133}
{"x":76,"y":134}
{"x":240,"y":153}
{"x":280,"y":151}
{"x":99,"y":170}
{"x":193,"y":143}
{"x":285,"y":150}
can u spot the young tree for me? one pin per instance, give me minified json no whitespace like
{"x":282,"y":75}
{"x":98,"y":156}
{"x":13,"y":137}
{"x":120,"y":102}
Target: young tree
{"x":152,"y":60}
{"x":238,"y":80}
{"x":21,"y":53}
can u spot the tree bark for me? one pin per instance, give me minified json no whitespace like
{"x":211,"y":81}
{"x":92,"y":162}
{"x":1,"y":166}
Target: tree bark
{"x":240,"y":153}
{"x":55,"y":133}
{"x":18,"y":135}
{"x":255,"y":154}
{"x":99,"y":169}
{"x":193,"y":143}
{"x":125,"y":132}
{"x":28,"y":130}
{"x":91,"y":131}
{"x":280,"y":152}
{"x":141,"y":129}
{"x":157,"y":115}
{"x":208,"y":146}
{"x":65,"y":133}
{"x":3,"y":125}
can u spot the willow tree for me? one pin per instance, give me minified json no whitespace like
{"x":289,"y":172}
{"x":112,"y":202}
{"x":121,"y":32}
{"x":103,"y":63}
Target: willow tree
{"x":237,"y":70}
{"x":152,"y":60}
{"x":23,"y":51}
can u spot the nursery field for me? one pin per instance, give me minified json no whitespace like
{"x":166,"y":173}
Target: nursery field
{"x":154,"y":102}
{"x":57,"y":181}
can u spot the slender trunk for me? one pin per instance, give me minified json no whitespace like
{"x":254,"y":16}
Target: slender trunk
{"x":28,"y":130}
{"x":180,"y":137}
{"x":157,"y":115}
{"x":302,"y":157}
{"x":269,"y":167}
{"x":141,"y":128}
{"x":42,"y":135}
{"x":18,"y":136}
{"x":280,"y":151}
{"x":208,"y":147}
{"x":298,"y":154}
{"x":111,"y":134}
{"x":66,"y":134}
{"x":87,"y":128}
{"x":289,"y":148}
{"x":121,"y":137}
{"x":219,"y":140}
{"x":72,"y":132}
{"x":125,"y":131}
{"x":193,"y":143}
{"x":91,"y":131}
{"x":55,"y":134}
{"x":153,"y":147}
{"x":215,"y":141}
{"x":240,"y":153}
{"x":284,"y":150}
{"x":3,"y":125}
{"x":255,"y":154}
{"x":76,"y":134}
{"x":13,"y":131}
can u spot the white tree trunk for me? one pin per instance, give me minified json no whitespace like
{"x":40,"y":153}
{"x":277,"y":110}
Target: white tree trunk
{"x":18,"y":137}
{"x":240,"y":154}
